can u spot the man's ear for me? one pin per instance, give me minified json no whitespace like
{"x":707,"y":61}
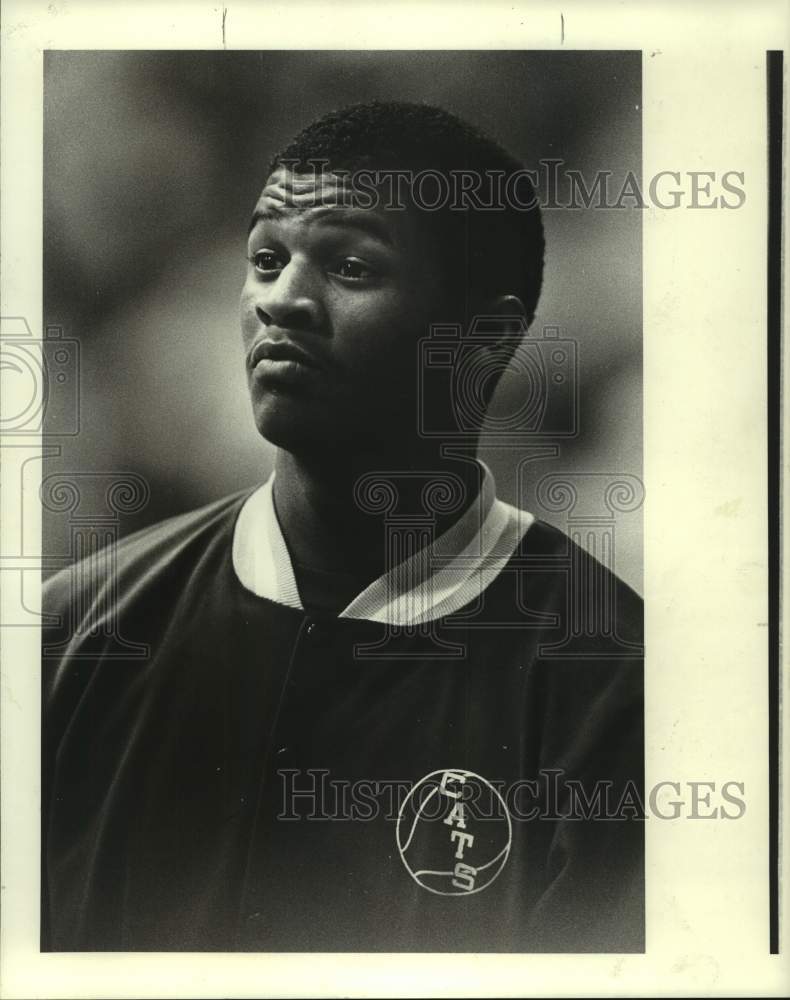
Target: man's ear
{"x":504,"y":333}
{"x":512,"y":311}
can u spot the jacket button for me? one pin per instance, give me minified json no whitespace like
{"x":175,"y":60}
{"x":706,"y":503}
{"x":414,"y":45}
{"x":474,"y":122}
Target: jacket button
{"x":313,"y":630}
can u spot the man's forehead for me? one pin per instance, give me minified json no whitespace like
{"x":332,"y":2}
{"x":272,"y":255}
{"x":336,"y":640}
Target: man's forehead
{"x":286,"y":188}
{"x":331,"y":198}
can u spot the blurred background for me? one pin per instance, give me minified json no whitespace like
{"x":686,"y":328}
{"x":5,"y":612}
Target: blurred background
{"x":152,"y":164}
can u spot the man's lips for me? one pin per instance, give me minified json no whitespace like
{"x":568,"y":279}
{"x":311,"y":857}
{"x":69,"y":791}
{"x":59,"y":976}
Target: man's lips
{"x":281,"y":351}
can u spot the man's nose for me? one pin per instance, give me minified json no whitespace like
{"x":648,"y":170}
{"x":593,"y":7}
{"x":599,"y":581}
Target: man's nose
{"x":292,"y":300}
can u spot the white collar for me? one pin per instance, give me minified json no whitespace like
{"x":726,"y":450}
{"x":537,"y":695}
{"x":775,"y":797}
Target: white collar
{"x":438,"y":580}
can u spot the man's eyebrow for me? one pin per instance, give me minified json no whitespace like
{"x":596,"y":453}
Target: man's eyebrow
{"x":365,"y":222}
{"x":362,"y":220}
{"x":257,"y":216}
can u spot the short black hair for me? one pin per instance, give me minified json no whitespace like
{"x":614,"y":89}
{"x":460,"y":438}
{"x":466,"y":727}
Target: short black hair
{"x":484,"y":253}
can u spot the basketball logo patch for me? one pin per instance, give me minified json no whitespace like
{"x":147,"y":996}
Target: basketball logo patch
{"x":454,"y":832}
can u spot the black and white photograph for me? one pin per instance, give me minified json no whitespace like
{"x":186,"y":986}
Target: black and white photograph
{"x":378,"y":541}
{"x":312,"y":713}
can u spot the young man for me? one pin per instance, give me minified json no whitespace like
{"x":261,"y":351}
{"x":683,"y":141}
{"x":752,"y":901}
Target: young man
{"x":370,"y":622}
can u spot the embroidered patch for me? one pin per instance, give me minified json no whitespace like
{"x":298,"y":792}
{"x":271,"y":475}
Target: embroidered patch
{"x":454,"y":832}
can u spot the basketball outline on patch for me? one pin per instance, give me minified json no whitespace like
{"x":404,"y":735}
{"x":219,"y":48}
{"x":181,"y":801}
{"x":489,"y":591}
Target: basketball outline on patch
{"x":461,"y":869}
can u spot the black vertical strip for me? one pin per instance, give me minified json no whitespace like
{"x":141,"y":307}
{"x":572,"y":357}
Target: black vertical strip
{"x":774,"y":81}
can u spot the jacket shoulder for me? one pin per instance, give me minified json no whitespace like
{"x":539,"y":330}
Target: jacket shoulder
{"x":141,"y":556}
{"x":582,"y":580}
{"x":544,"y":540}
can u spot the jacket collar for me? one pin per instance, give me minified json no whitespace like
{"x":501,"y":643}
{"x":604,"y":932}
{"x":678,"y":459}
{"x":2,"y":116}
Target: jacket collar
{"x":438,"y":580}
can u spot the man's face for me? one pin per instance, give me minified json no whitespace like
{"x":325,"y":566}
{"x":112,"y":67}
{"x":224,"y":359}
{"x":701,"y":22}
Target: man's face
{"x":335,"y":301}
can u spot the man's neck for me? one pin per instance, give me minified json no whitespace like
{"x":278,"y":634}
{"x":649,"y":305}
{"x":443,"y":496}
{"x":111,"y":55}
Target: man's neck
{"x":327,"y":529}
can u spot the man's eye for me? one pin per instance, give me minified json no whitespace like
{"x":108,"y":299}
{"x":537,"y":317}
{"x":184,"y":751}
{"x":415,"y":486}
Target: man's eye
{"x":354,"y":270}
{"x":266,"y":261}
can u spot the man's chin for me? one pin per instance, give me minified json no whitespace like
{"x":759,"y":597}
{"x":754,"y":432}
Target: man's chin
{"x":307,"y":426}
{"x":291,"y":424}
